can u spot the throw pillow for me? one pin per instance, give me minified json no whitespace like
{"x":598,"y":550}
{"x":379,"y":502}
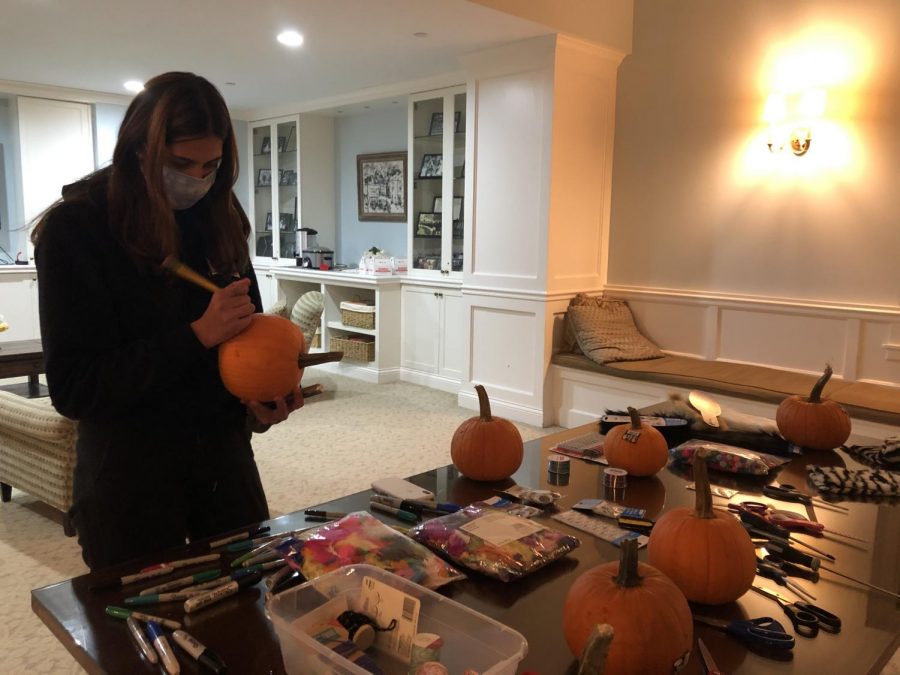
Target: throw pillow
{"x":307,"y":313}
{"x":606,"y":333}
{"x":569,"y":342}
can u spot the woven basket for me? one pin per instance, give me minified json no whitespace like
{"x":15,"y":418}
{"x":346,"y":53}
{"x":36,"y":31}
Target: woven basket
{"x":358,"y":315}
{"x":356,"y":348}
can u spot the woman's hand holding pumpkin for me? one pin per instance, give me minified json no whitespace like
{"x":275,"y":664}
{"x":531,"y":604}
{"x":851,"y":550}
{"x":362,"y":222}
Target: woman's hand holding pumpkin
{"x":227,"y":314}
{"x":284,"y":406}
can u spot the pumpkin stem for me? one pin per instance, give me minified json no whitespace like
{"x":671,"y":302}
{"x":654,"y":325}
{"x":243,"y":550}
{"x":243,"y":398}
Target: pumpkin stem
{"x":628,"y":565}
{"x":815,"y":396}
{"x":703,"y":501}
{"x":484,"y":405}
{"x":635,"y":419}
{"x":593,"y":660}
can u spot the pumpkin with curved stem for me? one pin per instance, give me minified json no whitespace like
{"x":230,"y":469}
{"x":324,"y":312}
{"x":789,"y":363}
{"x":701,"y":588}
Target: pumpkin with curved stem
{"x":652,"y":621}
{"x":814,"y":422}
{"x":636,"y":447}
{"x":707,"y":553}
{"x":260,"y":363}
{"x":486,"y":448}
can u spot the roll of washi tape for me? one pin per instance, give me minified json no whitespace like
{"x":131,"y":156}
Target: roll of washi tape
{"x":426,"y":647}
{"x":432,"y":668}
{"x":554,"y":478}
{"x":558,"y":464}
{"x":614,"y":478}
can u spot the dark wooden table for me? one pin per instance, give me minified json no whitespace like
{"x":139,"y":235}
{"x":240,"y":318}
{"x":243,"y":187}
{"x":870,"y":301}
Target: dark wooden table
{"x":239,"y":631}
{"x":19,"y":359}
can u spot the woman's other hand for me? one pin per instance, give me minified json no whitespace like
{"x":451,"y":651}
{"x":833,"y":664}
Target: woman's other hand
{"x":227,"y":314}
{"x":266,"y":416}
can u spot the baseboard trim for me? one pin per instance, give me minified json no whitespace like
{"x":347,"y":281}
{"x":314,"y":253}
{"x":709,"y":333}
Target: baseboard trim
{"x":430,"y":380}
{"x":510,"y":411}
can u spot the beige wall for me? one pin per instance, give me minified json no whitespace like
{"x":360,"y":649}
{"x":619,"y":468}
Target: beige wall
{"x":699,"y":203}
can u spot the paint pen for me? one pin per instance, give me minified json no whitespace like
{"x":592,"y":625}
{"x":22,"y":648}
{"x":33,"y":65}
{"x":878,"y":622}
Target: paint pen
{"x":267,"y":566}
{"x":123,"y":613}
{"x":186,"y":562}
{"x":274,"y":579}
{"x":132,"y":578}
{"x":221,"y":592}
{"x":417,"y":508}
{"x":215,"y":583}
{"x":199,"y":577}
{"x":141,"y":640}
{"x":239,"y":536}
{"x":397,"y":513}
{"x":313,"y":514}
{"x":199,"y":652}
{"x":166,"y":655}
{"x":266,"y":556}
{"x":157,"y":598}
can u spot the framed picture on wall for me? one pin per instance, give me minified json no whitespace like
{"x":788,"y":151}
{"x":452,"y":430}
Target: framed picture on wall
{"x":381,"y":186}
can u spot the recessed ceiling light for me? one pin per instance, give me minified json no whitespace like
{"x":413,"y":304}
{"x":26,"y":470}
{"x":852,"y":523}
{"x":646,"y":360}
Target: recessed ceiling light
{"x":134,"y":86}
{"x":420,"y":35}
{"x":290,"y":38}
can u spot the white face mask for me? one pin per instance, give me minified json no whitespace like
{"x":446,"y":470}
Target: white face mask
{"x":184,"y":191}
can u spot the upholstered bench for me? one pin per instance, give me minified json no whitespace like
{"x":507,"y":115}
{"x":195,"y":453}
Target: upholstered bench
{"x":37,"y":451}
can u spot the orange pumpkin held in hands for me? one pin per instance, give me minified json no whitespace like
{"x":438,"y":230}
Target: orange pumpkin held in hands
{"x":814,"y":422}
{"x":260,"y":363}
{"x":637,"y":447}
{"x":706,"y":553}
{"x":486,"y":448}
{"x":654,"y":629}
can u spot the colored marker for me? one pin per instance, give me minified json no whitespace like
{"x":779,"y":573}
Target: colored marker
{"x":265,"y":557}
{"x":199,"y":652}
{"x":326,"y":515}
{"x":274,"y":579}
{"x":237,"y":574}
{"x":141,"y":640}
{"x":123,"y":613}
{"x":159,"y":571}
{"x":237,"y":537}
{"x":205,"y":575}
{"x":166,"y":655}
{"x":415,"y":507}
{"x":187,"y":562}
{"x":156,"y":598}
{"x":221,"y":592}
{"x":289,"y":582}
{"x":397,"y":513}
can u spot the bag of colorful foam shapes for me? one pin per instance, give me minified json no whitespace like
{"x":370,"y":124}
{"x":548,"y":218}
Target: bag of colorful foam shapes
{"x":493,"y":542}
{"x":360,"y":538}
{"x":728,"y":458}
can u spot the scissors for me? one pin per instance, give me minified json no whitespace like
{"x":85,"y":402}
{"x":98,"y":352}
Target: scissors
{"x":762,"y":632}
{"x":788,"y":493}
{"x":807,"y":619}
{"x":709,"y":664}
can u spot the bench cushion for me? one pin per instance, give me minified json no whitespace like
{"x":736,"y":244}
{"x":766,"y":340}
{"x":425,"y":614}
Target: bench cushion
{"x":861,"y":400}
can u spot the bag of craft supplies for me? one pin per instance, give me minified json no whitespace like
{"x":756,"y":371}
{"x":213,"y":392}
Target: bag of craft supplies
{"x":360,"y":538}
{"x":493,"y":542}
{"x":728,"y":458}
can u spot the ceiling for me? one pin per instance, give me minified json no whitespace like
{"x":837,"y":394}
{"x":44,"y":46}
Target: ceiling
{"x":349,"y":45}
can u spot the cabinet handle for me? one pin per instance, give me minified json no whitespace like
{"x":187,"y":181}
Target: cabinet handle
{"x":435,"y":294}
{"x":440,"y":295}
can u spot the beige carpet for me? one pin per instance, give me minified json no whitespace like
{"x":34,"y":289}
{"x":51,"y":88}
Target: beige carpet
{"x":337,"y":444}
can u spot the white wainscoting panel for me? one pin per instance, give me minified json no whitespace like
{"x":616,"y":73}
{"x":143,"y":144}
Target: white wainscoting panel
{"x":504,"y":349}
{"x":879,"y":352}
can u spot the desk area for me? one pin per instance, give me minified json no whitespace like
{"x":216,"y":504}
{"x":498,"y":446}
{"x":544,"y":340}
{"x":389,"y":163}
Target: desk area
{"x":238,"y":630}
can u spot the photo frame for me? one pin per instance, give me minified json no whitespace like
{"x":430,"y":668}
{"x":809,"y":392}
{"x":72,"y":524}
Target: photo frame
{"x":266,"y":146}
{"x":432,"y":166}
{"x":269,"y":221}
{"x":287,"y":177}
{"x":285,"y":221}
{"x":381,"y":186}
{"x":437,"y":207}
{"x":437,"y":123}
{"x":428,"y":224}
{"x":264,"y":178}
{"x":282,"y":143}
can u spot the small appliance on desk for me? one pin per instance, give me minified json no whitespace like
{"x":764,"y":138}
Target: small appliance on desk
{"x":312,"y":255}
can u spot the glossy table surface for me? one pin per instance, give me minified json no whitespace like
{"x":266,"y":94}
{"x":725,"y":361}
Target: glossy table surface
{"x":238,"y":630}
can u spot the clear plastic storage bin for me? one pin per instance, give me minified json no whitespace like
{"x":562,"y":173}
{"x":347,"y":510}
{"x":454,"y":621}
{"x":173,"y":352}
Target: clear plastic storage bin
{"x":471,"y":640}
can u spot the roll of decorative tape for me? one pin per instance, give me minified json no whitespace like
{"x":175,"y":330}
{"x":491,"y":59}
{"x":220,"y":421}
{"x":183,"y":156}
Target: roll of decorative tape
{"x":558,"y":464}
{"x":554,"y":478}
{"x":614,"y":478}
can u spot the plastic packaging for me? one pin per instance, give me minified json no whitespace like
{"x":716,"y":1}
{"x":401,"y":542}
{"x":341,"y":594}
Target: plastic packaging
{"x":728,"y":458}
{"x":494,"y":543}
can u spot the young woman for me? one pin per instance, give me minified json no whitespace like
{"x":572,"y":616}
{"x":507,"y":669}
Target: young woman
{"x":163,"y":451}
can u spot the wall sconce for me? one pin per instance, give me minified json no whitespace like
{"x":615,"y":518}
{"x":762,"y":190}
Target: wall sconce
{"x":790,"y":119}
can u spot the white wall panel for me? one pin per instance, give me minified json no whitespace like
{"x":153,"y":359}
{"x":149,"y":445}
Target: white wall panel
{"x":676,"y":327}
{"x":504,"y":350}
{"x":877,"y":363}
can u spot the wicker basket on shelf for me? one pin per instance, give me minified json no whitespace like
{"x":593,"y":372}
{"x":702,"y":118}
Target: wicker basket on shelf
{"x":358,"y":315}
{"x":355,"y":347}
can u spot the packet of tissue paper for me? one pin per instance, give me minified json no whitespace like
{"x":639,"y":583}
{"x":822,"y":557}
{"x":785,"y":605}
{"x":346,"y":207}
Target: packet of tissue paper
{"x":360,"y":538}
{"x":494,"y":543}
{"x":728,"y":458}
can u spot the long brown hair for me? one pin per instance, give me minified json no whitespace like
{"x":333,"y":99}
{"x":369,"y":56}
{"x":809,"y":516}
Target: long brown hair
{"x":172,"y":107}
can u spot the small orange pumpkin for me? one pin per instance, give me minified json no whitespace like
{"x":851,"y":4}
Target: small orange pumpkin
{"x":654,"y":629}
{"x":814,"y":422}
{"x":260,"y":363}
{"x":706,"y":553}
{"x":637,"y":447}
{"x":486,"y":448}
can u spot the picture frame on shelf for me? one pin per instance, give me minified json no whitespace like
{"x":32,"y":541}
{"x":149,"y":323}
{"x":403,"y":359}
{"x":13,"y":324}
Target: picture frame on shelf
{"x":285,"y":221}
{"x":264,"y":178}
{"x":432,"y":166}
{"x":381,"y":186}
{"x":437,"y":123}
{"x":428,"y":224}
{"x":269,"y":221}
{"x":266,"y":146}
{"x":287,"y":177}
{"x":282,"y":143}
{"x":437,"y":207}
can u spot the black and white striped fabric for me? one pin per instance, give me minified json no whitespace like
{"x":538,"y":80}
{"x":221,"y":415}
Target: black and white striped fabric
{"x":884,"y":456}
{"x":863,"y":482}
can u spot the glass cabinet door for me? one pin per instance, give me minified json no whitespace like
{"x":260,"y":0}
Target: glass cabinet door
{"x":262,"y":244}
{"x":287,"y":195}
{"x":454,"y":211}
{"x":275,"y":188}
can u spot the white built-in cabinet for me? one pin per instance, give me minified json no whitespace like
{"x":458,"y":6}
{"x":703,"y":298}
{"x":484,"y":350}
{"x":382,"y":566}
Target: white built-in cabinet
{"x":431,"y":352}
{"x":19,"y":304}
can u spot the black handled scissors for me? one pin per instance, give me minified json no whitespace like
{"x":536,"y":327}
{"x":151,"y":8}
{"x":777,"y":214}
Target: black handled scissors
{"x":807,"y":619}
{"x":762,"y":632}
{"x":788,"y":493}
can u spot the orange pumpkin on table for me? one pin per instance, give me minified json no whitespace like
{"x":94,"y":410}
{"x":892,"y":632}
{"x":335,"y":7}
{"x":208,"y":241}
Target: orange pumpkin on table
{"x":653,"y":625}
{"x":486,"y":448}
{"x":814,"y":422}
{"x":637,"y":447}
{"x":707,"y":553}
